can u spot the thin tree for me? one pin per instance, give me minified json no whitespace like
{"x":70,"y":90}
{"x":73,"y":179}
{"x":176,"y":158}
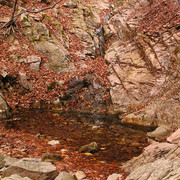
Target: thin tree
{"x":11,"y":23}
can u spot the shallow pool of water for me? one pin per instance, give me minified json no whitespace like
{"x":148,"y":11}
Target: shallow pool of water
{"x":118,"y":143}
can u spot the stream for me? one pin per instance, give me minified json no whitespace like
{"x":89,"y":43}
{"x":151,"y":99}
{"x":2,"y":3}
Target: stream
{"x":118,"y":142}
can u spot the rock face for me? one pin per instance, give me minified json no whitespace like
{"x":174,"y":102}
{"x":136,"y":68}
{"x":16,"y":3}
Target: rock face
{"x":32,"y":168}
{"x":158,"y":161}
{"x":137,"y":65}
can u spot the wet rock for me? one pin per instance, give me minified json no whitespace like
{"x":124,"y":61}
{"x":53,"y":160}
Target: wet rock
{"x":32,"y":168}
{"x":16,"y":177}
{"x":115,"y":177}
{"x":175,"y":137}
{"x":65,"y":176}
{"x":51,"y":157}
{"x":160,"y":132}
{"x":79,"y":175}
{"x":90,"y":148}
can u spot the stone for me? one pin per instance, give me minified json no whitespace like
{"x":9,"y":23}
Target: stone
{"x":150,"y":154}
{"x":24,"y":82}
{"x":89,"y":148}
{"x":53,"y":142}
{"x":33,"y":59}
{"x":79,"y":175}
{"x":2,"y":162}
{"x":16,"y":177}
{"x":65,"y":176}
{"x":9,"y":161}
{"x":32,"y":168}
{"x":70,"y":4}
{"x":51,"y":157}
{"x":57,"y":56}
{"x":34,"y":67}
{"x":160,"y":169}
{"x":174,"y":137}
{"x":3,"y":72}
{"x":160,"y":133}
{"x":4,"y":109}
{"x":115,"y":177}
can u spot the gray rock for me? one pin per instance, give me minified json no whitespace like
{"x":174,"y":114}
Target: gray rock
{"x":51,"y":157}
{"x":64,"y":176}
{"x":33,"y":59}
{"x":79,"y":175}
{"x":57,"y":55}
{"x":2,"y":162}
{"x":70,"y":4}
{"x":32,"y":168}
{"x":89,"y":148}
{"x":16,"y":177}
{"x":160,"y":132}
{"x":24,"y":82}
{"x":4,"y":109}
{"x":34,"y":67}
{"x":115,"y":177}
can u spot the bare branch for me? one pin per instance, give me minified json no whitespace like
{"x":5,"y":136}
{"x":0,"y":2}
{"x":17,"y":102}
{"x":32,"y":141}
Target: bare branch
{"x":14,"y":18}
{"x":14,"y":9}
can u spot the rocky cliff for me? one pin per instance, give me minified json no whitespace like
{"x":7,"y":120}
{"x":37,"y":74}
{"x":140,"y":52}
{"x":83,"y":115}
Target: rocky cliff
{"x":144,"y":63}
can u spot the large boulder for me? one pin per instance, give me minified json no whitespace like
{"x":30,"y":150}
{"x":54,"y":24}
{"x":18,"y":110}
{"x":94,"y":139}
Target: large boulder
{"x":58,"y":56}
{"x":32,"y":168}
{"x":158,"y":161}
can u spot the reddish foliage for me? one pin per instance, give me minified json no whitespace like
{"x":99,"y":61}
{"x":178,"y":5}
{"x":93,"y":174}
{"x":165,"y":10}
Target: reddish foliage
{"x":159,"y":17}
